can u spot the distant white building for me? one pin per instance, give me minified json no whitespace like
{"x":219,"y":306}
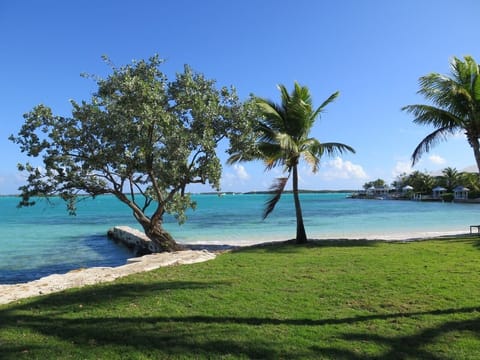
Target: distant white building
{"x":438,"y":191}
{"x":378,"y":191}
{"x":460,"y":193}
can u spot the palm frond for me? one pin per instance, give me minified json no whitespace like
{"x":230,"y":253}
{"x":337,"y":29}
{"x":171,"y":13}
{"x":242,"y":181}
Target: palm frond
{"x":300,"y":119}
{"x":312,"y":159}
{"x":285,"y":96}
{"x":462,"y":71}
{"x":273,"y":114}
{"x":271,"y":154}
{"x":235,"y":158}
{"x":456,"y":100}
{"x":313,"y":115}
{"x":277,"y":188}
{"x":299,"y":112}
{"x":282,"y":132}
{"x":476,"y":88}
{"x":457,"y":92}
{"x":330,"y":99}
{"x":431,"y":140}
{"x":242,"y":156}
{"x":444,"y":92}
{"x":265,"y":133}
{"x":269,"y":149}
{"x":301,"y":94}
{"x":334,"y":149}
{"x":434,"y":116}
{"x":287,"y":143}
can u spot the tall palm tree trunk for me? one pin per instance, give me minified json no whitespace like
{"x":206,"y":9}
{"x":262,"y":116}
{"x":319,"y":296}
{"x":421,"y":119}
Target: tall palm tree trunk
{"x":476,"y":151}
{"x":301,"y":234}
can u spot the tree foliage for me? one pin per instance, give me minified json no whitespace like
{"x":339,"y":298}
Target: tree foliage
{"x":423,"y":183}
{"x":376,"y":184}
{"x":455,"y":106}
{"x":141,"y":138}
{"x":281,"y":137}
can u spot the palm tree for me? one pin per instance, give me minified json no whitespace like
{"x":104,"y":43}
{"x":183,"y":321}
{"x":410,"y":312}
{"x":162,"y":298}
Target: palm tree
{"x":423,"y":183}
{"x":283,"y":138}
{"x":456,"y":106}
{"x":450,"y":178}
{"x":471,"y":181}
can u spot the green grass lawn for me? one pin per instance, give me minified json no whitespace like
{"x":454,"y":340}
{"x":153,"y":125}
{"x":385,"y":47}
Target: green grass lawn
{"x":343,"y":300}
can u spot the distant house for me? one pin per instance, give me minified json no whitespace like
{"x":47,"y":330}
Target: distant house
{"x":460,"y":193}
{"x":438,"y":191}
{"x":407,"y":188}
{"x":378,"y":191}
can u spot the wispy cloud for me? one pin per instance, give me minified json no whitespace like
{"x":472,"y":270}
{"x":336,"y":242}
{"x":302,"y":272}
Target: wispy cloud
{"x":240,"y":172}
{"x":340,"y":169}
{"x":238,"y":175}
{"x":437,"y":159}
{"x":402,"y":167}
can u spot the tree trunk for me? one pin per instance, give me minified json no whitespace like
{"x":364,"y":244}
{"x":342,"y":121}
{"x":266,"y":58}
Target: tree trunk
{"x":301,"y":234}
{"x":476,"y":152}
{"x":152,"y":227}
{"x":163,"y":241}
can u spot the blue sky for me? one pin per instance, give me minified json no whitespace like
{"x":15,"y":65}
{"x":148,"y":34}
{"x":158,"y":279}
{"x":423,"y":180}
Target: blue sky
{"x":372,"y":51}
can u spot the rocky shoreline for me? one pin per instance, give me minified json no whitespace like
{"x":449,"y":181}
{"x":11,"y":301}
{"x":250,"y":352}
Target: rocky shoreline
{"x":89,"y":276}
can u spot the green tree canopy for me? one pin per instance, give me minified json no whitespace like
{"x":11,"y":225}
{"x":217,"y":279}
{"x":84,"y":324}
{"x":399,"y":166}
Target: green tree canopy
{"x":449,"y":179}
{"x":376,"y":184}
{"x":456,"y":106}
{"x":281,"y":138}
{"x":421,"y":182}
{"x":140,"y":138}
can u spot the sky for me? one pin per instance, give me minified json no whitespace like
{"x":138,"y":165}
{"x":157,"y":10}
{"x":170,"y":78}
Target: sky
{"x":372,"y":51}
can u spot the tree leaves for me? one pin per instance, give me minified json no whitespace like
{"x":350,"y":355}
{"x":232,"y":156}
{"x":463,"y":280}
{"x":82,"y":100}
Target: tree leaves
{"x":139,"y":134}
{"x":277,"y":189}
{"x":455,"y":106}
{"x":281,"y":138}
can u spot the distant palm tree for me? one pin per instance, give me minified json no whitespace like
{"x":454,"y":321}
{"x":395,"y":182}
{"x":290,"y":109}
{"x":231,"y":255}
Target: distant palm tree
{"x":451,"y":178}
{"x":471,"y":181}
{"x":423,"y":183}
{"x":456,"y":100}
{"x":283,"y":138}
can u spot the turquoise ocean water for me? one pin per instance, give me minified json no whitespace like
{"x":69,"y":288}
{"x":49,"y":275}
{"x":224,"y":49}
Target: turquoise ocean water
{"x":44,"y":239}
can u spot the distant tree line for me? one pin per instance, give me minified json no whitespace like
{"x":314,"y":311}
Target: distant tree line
{"x":423,"y":183}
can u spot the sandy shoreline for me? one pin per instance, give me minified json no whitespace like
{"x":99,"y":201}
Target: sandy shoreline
{"x":195,"y":253}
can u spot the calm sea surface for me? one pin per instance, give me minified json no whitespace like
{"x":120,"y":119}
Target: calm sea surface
{"x":44,"y":239}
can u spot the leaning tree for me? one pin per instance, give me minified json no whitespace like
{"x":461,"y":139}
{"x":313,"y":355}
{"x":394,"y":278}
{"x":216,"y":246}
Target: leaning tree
{"x":141,"y":138}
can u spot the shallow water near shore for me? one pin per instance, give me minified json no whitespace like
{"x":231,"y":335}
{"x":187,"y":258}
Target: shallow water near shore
{"x":44,"y":239}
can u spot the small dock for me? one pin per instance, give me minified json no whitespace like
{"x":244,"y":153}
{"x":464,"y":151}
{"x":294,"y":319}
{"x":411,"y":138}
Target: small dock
{"x":134,"y":239}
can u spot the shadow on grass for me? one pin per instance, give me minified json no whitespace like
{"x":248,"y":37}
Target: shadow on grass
{"x":98,"y":295}
{"x":289,"y":246}
{"x":69,"y":320}
{"x":471,"y":239}
{"x":476,"y":243}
